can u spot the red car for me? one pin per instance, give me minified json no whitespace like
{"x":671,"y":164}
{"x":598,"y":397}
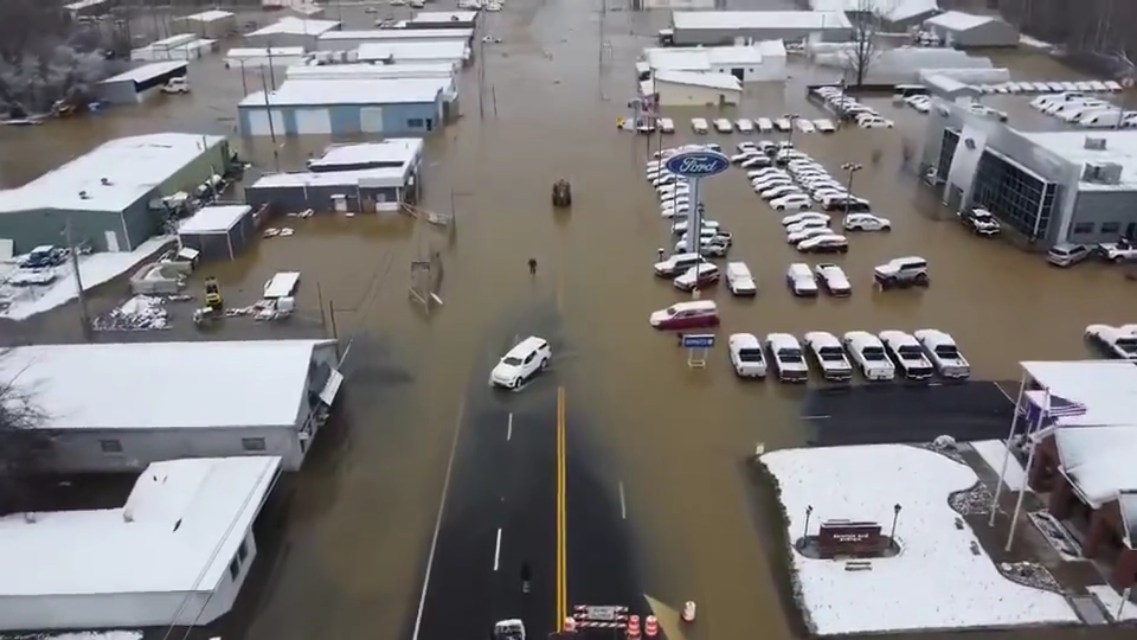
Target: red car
{"x":695,"y":314}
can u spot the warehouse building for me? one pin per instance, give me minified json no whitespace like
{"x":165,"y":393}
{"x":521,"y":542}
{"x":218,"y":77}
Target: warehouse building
{"x":692,"y":89}
{"x":344,"y":40}
{"x":218,"y":232}
{"x":345,"y":107}
{"x":176,"y":553}
{"x":894,"y":15}
{"x":112,"y":196}
{"x":170,"y":400}
{"x":964,"y":30}
{"x":213,"y":24}
{"x":264,"y":58}
{"x":291,"y":32}
{"x":443,"y":20}
{"x":185,"y":46}
{"x":444,"y":73}
{"x":139,"y":83}
{"x":454,"y":52}
{"x":367,"y":177}
{"x":760,"y":62}
{"x":1048,"y":186}
{"x":714,"y":28}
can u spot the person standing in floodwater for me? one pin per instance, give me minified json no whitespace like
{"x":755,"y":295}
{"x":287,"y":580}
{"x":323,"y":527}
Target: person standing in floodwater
{"x":532,"y":266}
{"x":526,"y":575}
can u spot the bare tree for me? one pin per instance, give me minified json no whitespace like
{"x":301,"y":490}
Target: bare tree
{"x":860,"y":57}
{"x":23,"y":444}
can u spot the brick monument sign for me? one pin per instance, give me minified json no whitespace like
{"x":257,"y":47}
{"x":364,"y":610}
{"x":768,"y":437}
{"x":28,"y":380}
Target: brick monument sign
{"x":851,"y":539}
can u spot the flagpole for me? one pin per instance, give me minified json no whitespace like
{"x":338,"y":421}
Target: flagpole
{"x":1007,"y":452}
{"x":1044,"y":415}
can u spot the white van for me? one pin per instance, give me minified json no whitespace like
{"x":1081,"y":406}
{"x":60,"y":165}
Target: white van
{"x":1042,"y":102}
{"x":1060,"y":109}
{"x":1076,"y":114}
{"x":1100,"y":118}
{"x":699,"y":125}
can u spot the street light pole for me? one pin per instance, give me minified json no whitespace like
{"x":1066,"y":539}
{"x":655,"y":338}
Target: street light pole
{"x":895,"y":516}
{"x":792,"y":117}
{"x":852,"y":168}
{"x":805,"y":528}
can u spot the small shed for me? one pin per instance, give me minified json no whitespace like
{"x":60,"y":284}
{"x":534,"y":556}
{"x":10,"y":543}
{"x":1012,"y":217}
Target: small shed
{"x":693,"y":89}
{"x":949,"y":88}
{"x":213,"y":24}
{"x":219,"y":232}
{"x":963,"y":30}
{"x":140,"y":82}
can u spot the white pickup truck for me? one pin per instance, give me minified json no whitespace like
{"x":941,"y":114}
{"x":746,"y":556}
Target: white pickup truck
{"x":1118,"y":251}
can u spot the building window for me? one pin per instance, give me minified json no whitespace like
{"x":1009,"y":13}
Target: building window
{"x":242,"y":551}
{"x":1111,"y":227}
{"x":234,"y":569}
{"x":1018,"y":197}
{"x":253,"y":444}
{"x":110,"y":446}
{"x":1083,"y":227}
{"x":415,"y":123}
{"x":947,"y":152}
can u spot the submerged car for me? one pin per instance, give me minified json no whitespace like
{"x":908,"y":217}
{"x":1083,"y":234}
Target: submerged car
{"x":746,"y":355}
{"x":830,"y":356}
{"x":908,"y":354}
{"x":788,"y":357}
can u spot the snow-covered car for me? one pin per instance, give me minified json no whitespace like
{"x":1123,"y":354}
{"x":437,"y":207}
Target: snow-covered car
{"x":767,"y":182}
{"x":944,"y":354}
{"x":745,"y":125}
{"x":791,"y":201}
{"x":804,"y":126}
{"x":524,"y":361}
{"x":746,"y":355}
{"x":1119,"y":252}
{"x":783,"y":124}
{"x":740,"y":280}
{"x":800,"y":280}
{"x":821,"y":194}
{"x":766,"y":172}
{"x":679,"y":228}
{"x":699,"y":276}
{"x":757,"y":161}
{"x":666,"y":125}
{"x":778,"y":190}
{"x":765,"y":125}
{"x":797,"y":237}
{"x":830,"y":243}
{"x":809,"y":223}
{"x":875,"y":122}
{"x":743,"y":156}
{"x":674,"y":211}
{"x":824,"y":125}
{"x":693,"y":314}
{"x":1116,"y":342}
{"x":699,"y":125}
{"x":832,"y":277}
{"x":797,"y":218}
{"x":902,"y":272}
{"x":908,"y":354}
{"x":830,"y":355}
{"x":981,"y":222}
{"x":722,"y":125}
{"x":787,"y":356}
{"x":709,"y":242}
{"x":869,"y":355}
{"x":866,"y":222}
{"x":676,"y":264}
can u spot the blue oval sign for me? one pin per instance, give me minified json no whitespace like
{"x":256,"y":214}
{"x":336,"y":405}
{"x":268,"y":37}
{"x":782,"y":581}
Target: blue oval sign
{"x":697,"y":164}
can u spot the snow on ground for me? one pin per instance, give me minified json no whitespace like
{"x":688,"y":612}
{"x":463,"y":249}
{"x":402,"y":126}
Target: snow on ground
{"x":1111,"y":600}
{"x":80,"y":635}
{"x":1035,"y":43}
{"x":936,"y":582}
{"x":140,"y":313}
{"x":94,"y":269}
{"x":993,"y":453}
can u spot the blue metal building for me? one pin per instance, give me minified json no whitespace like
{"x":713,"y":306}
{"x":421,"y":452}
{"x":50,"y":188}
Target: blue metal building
{"x":391,"y":107}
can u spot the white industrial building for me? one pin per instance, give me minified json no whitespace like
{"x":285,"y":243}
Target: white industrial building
{"x":693,"y":89}
{"x":169,"y":400}
{"x":761,"y":62}
{"x":442,"y":20}
{"x":895,"y":15}
{"x":291,"y":32}
{"x":343,"y":40}
{"x":264,"y":57}
{"x":715,"y":28}
{"x":962,"y":30}
{"x":367,"y":71}
{"x":175,"y":554}
{"x":416,"y":52}
{"x":213,"y":24}
{"x":185,"y":46}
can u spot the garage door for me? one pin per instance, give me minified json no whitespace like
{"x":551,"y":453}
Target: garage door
{"x":258,"y":122}
{"x":371,"y":119}
{"x":313,"y":122}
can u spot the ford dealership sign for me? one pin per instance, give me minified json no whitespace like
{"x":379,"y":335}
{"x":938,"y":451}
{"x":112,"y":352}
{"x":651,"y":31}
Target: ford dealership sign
{"x":697,"y":164}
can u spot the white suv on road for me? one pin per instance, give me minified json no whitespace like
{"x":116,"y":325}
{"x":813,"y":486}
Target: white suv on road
{"x":522,"y":363}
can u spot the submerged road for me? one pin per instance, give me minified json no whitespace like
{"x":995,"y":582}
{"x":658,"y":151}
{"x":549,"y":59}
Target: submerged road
{"x":520,"y":490}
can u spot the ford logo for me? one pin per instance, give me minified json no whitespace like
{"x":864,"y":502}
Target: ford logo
{"x":697,"y":164}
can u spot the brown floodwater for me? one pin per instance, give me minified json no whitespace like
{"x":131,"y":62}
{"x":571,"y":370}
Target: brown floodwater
{"x":362,"y":517}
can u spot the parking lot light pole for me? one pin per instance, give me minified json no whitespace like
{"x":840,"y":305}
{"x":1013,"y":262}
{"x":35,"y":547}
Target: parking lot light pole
{"x":792,"y":117}
{"x":852,"y":168}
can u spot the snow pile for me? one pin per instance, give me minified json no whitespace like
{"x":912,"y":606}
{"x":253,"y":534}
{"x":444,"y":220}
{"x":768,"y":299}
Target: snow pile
{"x":140,"y":313}
{"x":94,"y":269}
{"x":936,"y":582}
{"x":1030,"y":574}
{"x":1113,"y":603}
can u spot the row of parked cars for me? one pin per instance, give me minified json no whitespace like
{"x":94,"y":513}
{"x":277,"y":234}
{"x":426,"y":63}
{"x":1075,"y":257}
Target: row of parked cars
{"x":1089,"y":86}
{"x":763,"y":125}
{"x":881,"y":357}
{"x":846,"y":106}
{"x":1083,"y":110}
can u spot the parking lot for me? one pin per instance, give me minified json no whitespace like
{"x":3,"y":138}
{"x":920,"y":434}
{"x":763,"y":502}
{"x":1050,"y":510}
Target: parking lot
{"x":553,"y":88}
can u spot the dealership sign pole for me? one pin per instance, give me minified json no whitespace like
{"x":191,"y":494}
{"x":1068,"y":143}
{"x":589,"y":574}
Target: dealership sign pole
{"x":694,"y":166}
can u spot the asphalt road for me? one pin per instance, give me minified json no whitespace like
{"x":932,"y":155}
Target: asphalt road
{"x":522,"y":489}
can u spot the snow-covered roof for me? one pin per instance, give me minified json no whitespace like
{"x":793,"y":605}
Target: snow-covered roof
{"x":678,"y":59}
{"x":164,"y":384}
{"x":380,"y":177}
{"x":131,"y":167}
{"x":297,"y":27}
{"x":1120,"y":148}
{"x":1108,"y":389}
{"x":743,"y":20}
{"x":721,"y":81}
{"x":400,"y":34}
{"x":213,"y":15}
{"x":401,"y":50}
{"x":264,"y":52}
{"x":180,"y":528}
{"x":215,"y":219}
{"x":958,"y":21}
{"x":149,"y":71}
{"x":374,"y":71}
{"x":946,"y":84}
{"x":1098,"y":460}
{"x":84,"y":4}
{"x":299,"y":93}
{"x":771,"y":48}
{"x":444,"y":16}
{"x":395,"y":150}
{"x":890,"y":10}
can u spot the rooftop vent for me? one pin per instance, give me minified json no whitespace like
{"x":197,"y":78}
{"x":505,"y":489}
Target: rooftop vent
{"x":83,"y":195}
{"x":1102,"y":172}
{"x":106,"y":182}
{"x":127,"y":515}
{"x":1095,"y":143}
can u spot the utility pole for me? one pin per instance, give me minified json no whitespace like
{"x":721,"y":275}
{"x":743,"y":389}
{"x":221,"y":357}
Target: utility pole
{"x":271,"y":126}
{"x":481,"y":79}
{"x":84,"y":315}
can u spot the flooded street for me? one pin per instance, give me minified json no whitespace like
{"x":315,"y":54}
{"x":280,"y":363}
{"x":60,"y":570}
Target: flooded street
{"x":670,"y":440}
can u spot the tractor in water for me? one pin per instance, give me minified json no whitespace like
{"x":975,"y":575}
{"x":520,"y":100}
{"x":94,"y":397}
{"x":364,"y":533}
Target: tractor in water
{"x":562,"y":193}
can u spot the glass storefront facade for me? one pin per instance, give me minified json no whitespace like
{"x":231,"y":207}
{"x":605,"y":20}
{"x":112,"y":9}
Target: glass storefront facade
{"x":1016,"y":196}
{"x":947,"y":151}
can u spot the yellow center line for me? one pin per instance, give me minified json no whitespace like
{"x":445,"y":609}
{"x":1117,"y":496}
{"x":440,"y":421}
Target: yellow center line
{"x":562,"y":578}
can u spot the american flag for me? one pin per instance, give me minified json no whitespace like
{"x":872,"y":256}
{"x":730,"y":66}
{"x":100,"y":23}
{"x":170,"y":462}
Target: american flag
{"x":1044,"y":411}
{"x":1060,"y":407}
